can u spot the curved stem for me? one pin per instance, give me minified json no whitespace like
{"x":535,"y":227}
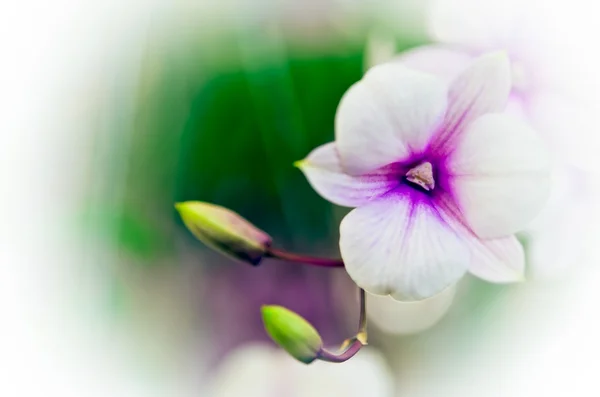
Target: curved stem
{"x":308,"y":260}
{"x":362,"y":322}
{"x":345,"y":355}
{"x":350,"y":346}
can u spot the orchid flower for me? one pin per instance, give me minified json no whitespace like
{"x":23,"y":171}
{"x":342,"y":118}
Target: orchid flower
{"x":440,"y":179}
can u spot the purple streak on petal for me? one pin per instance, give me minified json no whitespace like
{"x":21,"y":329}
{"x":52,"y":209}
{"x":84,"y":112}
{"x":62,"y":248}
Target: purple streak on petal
{"x":443,"y":139}
{"x":481,"y":88}
{"x":497,"y":259}
{"x":384,"y":244}
{"x":326,"y":175}
{"x":446,"y":205}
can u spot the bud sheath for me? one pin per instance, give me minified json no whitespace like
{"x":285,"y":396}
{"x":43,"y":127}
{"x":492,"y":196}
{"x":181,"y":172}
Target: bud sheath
{"x":292,"y":332}
{"x":224,"y":231}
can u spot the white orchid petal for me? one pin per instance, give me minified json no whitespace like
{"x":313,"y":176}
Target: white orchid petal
{"x":391,"y":113}
{"x":324,"y":172}
{"x":482,"y":88}
{"x":498,"y":260}
{"x":396,"y":247}
{"x":500,"y":174}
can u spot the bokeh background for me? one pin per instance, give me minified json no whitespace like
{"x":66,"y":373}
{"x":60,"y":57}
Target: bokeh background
{"x":136,"y":106}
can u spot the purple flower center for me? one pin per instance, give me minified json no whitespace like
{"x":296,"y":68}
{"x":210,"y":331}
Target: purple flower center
{"x":421,"y":176}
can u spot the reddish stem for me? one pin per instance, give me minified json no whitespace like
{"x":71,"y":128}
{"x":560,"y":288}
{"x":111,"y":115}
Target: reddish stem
{"x":308,"y":260}
{"x":353,"y":345}
{"x":345,"y":355}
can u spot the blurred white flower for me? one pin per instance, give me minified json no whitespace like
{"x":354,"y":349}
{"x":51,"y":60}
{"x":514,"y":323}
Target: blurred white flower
{"x":554,"y":93}
{"x":395,"y":317}
{"x":562,"y":236}
{"x":549,"y":88}
{"x":261,"y":370}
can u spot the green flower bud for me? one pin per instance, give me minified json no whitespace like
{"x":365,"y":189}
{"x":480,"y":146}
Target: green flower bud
{"x":224,"y":231}
{"x":292,"y":332}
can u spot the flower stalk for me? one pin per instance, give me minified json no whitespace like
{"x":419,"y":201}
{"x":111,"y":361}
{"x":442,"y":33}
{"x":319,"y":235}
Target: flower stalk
{"x":303,"y":259}
{"x":351,"y":346}
{"x":344,"y":355}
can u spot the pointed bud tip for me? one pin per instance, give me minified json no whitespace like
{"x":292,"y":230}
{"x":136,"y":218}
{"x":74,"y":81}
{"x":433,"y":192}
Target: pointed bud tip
{"x":292,"y":332}
{"x":299,"y":163}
